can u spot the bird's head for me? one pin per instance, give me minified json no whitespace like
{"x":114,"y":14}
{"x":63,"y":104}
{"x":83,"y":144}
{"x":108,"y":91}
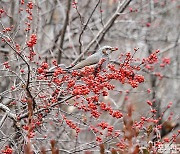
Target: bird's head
{"x":106,"y":50}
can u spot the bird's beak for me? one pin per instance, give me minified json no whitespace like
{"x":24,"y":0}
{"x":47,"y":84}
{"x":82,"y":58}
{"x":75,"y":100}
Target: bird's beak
{"x":114,"y":49}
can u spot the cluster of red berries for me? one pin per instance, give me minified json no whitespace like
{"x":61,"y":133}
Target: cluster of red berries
{"x":32,"y":41}
{"x":1,"y":12}
{"x":74,"y":4}
{"x":6,"y":64}
{"x":8,"y":29}
{"x":30,"y":5}
{"x":71,"y":125}
{"x":7,"y":150}
{"x":21,"y":2}
{"x":80,"y":90}
{"x":42,"y":69}
{"x":152,"y":58}
{"x":104,"y":125}
{"x":30,"y":15}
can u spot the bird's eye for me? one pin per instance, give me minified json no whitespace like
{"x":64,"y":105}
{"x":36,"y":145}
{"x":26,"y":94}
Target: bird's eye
{"x":104,"y":51}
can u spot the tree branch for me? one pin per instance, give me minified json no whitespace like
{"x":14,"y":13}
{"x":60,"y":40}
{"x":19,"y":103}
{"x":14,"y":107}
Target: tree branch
{"x":80,"y":43}
{"x":7,"y":113}
{"x":64,"y":31}
{"x":106,"y":27}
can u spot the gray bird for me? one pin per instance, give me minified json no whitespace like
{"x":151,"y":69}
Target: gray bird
{"x":91,"y":60}
{"x":94,"y":58}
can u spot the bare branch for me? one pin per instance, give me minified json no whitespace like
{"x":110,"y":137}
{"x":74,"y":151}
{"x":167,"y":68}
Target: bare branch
{"x":64,"y":31}
{"x":80,"y":36}
{"x":7,"y":113}
{"x":106,"y":27}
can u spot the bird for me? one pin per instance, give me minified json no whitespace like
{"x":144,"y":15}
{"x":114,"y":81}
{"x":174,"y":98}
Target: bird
{"x":93,"y":59}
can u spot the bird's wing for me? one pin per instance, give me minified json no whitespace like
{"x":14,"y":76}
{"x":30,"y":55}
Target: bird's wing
{"x":93,"y":59}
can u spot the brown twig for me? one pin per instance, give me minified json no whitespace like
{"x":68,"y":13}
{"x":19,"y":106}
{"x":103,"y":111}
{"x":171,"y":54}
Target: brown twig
{"x":64,"y":31}
{"x":82,"y":31}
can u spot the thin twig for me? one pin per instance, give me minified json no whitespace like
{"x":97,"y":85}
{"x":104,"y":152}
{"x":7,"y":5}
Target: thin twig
{"x":82,"y":31}
{"x":64,"y":31}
